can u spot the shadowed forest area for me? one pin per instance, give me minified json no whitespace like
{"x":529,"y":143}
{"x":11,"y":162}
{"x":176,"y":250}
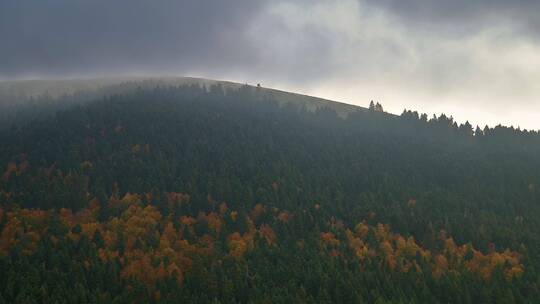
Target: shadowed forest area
{"x":190,"y":194}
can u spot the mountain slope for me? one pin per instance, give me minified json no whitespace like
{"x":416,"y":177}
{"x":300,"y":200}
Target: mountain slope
{"x":204,"y":195}
{"x":99,"y":86}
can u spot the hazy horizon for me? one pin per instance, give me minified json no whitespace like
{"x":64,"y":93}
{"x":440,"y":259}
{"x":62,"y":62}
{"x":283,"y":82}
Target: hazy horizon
{"x":478,"y":61}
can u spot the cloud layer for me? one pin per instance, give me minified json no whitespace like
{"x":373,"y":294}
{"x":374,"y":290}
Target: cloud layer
{"x":478,"y":60}
{"x":59,"y":37}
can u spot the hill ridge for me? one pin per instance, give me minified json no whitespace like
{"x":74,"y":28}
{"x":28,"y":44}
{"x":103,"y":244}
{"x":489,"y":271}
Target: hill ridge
{"x":59,"y":87}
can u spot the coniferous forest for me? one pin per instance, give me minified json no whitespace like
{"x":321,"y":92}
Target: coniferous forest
{"x":193,"y":194}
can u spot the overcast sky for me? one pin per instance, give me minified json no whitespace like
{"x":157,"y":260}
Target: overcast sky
{"x":473,"y":59}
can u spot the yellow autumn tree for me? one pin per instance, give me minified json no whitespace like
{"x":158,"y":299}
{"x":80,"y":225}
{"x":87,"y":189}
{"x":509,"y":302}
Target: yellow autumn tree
{"x":268,"y":234}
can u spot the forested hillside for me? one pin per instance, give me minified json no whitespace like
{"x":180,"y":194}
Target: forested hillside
{"x":189,"y":194}
{"x":25,"y":100}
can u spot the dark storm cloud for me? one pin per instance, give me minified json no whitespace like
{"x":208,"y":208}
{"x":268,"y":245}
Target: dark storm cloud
{"x":56,"y":37}
{"x":66,"y":37}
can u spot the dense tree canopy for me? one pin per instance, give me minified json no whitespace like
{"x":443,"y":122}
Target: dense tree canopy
{"x":211,"y":195}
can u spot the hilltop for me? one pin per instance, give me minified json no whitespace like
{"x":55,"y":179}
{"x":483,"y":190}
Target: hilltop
{"x":97,"y":87}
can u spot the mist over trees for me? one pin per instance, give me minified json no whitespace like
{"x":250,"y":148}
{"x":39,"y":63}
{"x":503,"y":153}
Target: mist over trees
{"x":216,"y":195}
